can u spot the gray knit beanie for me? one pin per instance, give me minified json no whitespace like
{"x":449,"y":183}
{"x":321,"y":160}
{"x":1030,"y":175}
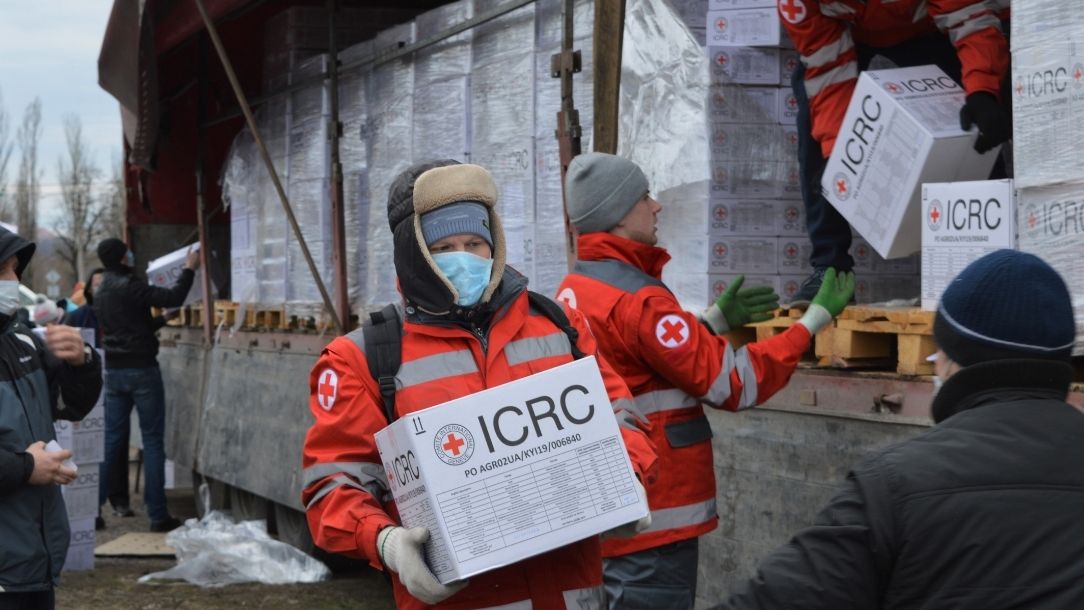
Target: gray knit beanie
{"x":601,"y":189}
{"x":457,"y":219}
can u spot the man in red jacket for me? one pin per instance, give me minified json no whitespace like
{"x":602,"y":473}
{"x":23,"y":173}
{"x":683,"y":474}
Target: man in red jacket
{"x":673,"y":362}
{"x":837,"y":39}
{"x":468,"y":325}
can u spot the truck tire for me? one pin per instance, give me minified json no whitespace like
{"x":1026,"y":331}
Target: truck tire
{"x":247,"y":506}
{"x":293,"y":529}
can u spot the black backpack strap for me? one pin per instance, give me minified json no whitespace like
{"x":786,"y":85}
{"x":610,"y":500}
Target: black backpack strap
{"x":384,"y":350}
{"x":552,"y":310}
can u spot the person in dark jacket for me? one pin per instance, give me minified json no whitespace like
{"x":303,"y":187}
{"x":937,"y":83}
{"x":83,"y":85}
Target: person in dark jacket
{"x":122,"y":304}
{"x":34,"y":373}
{"x":984,"y":510}
{"x":117,"y":479}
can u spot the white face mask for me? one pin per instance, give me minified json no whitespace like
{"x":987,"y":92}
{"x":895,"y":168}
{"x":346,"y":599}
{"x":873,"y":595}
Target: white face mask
{"x":937,"y":385}
{"x":9,"y":297}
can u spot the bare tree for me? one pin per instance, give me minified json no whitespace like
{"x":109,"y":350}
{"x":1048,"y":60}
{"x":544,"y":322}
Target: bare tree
{"x":28,"y":183}
{"x":112,"y":222}
{"x":77,"y":226}
{"x":6,"y":147}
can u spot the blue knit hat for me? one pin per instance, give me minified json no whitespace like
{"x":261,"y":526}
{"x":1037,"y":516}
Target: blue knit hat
{"x":1007,"y":304}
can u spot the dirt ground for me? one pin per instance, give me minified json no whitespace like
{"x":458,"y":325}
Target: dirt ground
{"x":112,"y":583}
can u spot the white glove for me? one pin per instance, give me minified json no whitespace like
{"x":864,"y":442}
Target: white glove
{"x":632,"y":528}
{"x":401,"y":551}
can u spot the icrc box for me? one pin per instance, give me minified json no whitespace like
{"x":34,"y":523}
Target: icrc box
{"x":164,"y":271}
{"x":962,"y":221}
{"x":512,"y":471}
{"x":902,"y":129}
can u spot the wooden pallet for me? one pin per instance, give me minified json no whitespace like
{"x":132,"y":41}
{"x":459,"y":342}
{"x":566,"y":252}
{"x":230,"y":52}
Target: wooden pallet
{"x":861,"y":337}
{"x":874,"y":336}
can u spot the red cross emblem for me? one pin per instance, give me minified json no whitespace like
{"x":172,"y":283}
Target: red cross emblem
{"x":791,"y":213}
{"x":718,"y":288}
{"x":722,"y":59}
{"x":841,"y":186}
{"x":934,"y":215}
{"x":453,"y":443}
{"x":720,"y":25}
{"x":792,"y":250}
{"x":672,"y":331}
{"x":1078,"y":74}
{"x":861,"y":252}
{"x":892,"y":88}
{"x":792,"y":10}
{"x":792,"y":102}
{"x":791,"y":64}
{"x":1020,"y":88}
{"x":720,"y":138}
{"x":792,"y":138}
{"x":1032,"y":220}
{"x":719,"y":100}
{"x":327,"y":389}
{"x":720,"y":250}
{"x":790,"y":288}
{"x":719,"y":212}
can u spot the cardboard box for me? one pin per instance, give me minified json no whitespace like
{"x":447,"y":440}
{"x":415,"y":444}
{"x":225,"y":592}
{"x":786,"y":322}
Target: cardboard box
{"x":513,"y":471}
{"x":718,"y":5}
{"x":744,"y":65}
{"x":963,"y":221}
{"x":866,"y":260}
{"x":788,"y":63}
{"x":165,"y":270}
{"x":81,"y":495}
{"x":727,"y":254}
{"x":789,"y":285}
{"x":733,"y":142}
{"x":747,"y":27}
{"x":80,"y":545}
{"x":695,"y":291}
{"x":744,"y":105}
{"x":1051,"y":225}
{"x":880,"y":288}
{"x":1048,"y":112}
{"x":902,"y":128}
{"x":748,"y":179}
{"x":793,"y":256}
{"x":787,"y":113}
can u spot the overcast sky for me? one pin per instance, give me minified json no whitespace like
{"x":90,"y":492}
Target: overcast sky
{"x":49,"y":49}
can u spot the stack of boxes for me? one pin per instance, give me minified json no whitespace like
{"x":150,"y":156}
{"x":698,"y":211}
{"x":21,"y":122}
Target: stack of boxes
{"x":86,"y":440}
{"x":1048,"y":113}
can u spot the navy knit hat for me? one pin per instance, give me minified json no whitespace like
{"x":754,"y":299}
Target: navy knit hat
{"x":1007,"y":304}
{"x":111,"y":251}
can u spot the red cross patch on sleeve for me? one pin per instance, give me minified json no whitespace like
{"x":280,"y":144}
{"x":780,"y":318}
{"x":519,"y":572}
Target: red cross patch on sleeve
{"x":672,"y":331}
{"x":327,"y":389}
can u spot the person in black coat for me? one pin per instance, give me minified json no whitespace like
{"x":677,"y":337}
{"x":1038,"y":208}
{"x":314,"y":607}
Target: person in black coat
{"x":122,"y":304}
{"x":36,"y":371}
{"x":985,"y":509}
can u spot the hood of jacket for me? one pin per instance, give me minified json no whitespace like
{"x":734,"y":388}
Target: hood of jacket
{"x":996,"y":380}
{"x":607,"y":246}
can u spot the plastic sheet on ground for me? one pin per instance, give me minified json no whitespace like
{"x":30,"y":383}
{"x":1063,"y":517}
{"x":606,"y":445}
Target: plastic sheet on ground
{"x":214,"y":552}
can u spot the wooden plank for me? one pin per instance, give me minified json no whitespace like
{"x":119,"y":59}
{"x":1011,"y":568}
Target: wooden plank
{"x":912,"y":353}
{"x":851,"y":344}
{"x":609,"y":33}
{"x":886,"y":326}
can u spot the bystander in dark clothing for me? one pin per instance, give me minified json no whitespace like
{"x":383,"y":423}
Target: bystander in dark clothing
{"x":984,"y":509}
{"x":35,"y":374}
{"x":122,"y":303}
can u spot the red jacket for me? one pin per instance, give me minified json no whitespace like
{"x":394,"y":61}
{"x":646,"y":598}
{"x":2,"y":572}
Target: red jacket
{"x":345,"y":488}
{"x":825,"y":33}
{"x":673,"y":364}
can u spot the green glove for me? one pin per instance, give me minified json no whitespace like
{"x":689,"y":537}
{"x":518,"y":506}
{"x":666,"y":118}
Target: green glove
{"x":749,"y":305}
{"x":835,"y":292}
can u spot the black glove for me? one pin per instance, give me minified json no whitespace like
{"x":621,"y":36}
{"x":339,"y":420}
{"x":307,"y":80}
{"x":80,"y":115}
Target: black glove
{"x":983,"y":109}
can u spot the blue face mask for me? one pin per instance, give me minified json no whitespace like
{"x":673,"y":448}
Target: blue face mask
{"x":129,"y":259}
{"x":467,"y":272}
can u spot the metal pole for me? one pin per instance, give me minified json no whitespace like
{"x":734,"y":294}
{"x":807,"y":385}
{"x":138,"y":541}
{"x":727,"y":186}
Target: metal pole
{"x":243,"y":102}
{"x":201,"y":217}
{"x":338,"y":211}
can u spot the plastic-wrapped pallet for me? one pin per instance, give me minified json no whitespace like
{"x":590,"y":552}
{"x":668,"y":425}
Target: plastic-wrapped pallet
{"x":502,"y":120}
{"x":354,"y":156}
{"x":1050,"y":221}
{"x":391,"y":115}
{"x":442,"y":86}
{"x":664,"y":89}
{"x":550,"y":244}
{"x":1040,"y":22}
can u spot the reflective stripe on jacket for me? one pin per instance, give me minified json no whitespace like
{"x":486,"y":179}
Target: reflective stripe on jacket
{"x":673,"y":364}
{"x":345,"y":488}
{"x":825,"y":32}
